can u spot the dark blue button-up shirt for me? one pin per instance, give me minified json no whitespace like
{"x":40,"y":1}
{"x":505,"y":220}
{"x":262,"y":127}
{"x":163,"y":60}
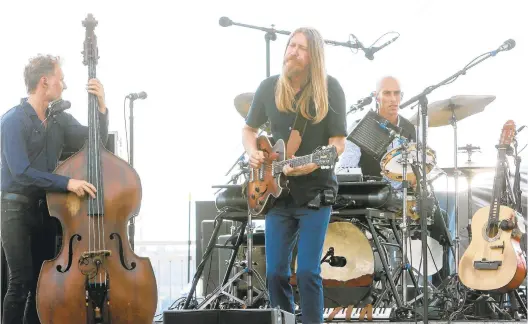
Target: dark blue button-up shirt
{"x":31,"y":151}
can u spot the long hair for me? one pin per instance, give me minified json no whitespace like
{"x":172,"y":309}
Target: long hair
{"x":316,"y":89}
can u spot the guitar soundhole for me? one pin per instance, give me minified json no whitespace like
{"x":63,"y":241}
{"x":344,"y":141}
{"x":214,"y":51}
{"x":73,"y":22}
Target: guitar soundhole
{"x":492,"y":230}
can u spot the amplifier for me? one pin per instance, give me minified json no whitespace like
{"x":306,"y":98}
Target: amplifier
{"x":228,"y":316}
{"x":372,"y":135}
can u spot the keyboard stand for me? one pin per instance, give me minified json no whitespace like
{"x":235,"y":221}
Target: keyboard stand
{"x":370,"y":213}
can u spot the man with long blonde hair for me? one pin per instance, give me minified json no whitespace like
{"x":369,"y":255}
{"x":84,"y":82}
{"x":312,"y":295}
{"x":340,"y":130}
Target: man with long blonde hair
{"x":302,"y":91}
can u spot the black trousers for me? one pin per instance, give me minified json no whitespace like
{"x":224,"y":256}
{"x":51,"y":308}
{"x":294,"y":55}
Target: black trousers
{"x":27,"y":240}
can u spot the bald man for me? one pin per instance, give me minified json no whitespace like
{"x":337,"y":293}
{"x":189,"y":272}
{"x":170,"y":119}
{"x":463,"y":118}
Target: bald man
{"x":388,"y":99}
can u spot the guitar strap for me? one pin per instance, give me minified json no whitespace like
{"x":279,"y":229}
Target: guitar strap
{"x":296,"y":134}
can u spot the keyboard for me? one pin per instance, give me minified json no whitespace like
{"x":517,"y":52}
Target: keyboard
{"x":340,"y":314}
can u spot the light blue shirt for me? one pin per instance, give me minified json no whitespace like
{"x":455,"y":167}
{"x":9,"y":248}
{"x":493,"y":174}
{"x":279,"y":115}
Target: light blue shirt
{"x":352,"y":154}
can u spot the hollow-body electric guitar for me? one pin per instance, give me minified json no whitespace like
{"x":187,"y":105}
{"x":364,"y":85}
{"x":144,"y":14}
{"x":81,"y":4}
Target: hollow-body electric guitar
{"x":267,"y":182}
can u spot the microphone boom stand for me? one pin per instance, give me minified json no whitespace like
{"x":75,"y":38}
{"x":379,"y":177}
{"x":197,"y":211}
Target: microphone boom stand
{"x":425,"y":201}
{"x":271,"y":35}
{"x":131,"y":226}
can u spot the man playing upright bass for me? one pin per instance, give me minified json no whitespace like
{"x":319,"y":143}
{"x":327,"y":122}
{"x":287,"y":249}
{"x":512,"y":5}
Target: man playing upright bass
{"x":32,"y":139}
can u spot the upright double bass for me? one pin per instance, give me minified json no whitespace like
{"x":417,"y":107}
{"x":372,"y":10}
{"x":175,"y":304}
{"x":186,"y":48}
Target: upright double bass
{"x":96,"y":277}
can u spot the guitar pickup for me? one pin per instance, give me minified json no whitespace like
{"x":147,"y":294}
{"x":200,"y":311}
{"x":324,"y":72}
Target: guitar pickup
{"x":487,"y":265}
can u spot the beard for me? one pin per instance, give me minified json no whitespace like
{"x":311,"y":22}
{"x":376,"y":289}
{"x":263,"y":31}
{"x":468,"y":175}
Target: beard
{"x":292,"y":68}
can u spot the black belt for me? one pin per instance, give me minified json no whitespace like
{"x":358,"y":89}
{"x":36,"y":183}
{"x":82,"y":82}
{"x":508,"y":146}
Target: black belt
{"x":15,"y":197}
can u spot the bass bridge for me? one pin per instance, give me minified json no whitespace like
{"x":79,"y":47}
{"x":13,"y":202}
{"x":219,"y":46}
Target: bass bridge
{"x":97,"y":285}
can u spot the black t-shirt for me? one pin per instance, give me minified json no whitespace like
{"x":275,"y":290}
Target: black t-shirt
{"x":302,"y":188}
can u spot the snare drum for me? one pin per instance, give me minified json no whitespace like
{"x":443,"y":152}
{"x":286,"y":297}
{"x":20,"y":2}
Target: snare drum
{"x":392,"y":166}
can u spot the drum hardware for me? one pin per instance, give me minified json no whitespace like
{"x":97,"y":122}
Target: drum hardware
{"x":386,"y":268}
{"x":246,"y":269}
{"x":213,"y":298}
{"x":469,"y":149}
{"x":405,"y":264}
{"x":207,"y":254}
{"x":403,"y":226}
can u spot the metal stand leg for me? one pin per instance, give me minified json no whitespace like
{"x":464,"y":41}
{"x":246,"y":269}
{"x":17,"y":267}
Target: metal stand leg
{"x":403,"y":226}
{"x":206,"y":255}
{"x":247,"y":269}
{"x":384,"y":262}
{"x":405,"y":261}
{"x":227,"y":280}
{"x":456,"y":175}
{"x":250,"y":228}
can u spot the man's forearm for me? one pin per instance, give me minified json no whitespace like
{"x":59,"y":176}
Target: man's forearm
{"x":249,"y":140}
{"x":339,"y":143}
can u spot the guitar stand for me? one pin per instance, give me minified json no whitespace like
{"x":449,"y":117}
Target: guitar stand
{"x":515,"y":300}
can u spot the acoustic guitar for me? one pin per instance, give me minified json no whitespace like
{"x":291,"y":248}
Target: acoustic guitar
{"x":267,"y":182}
{"x":494,"y":260}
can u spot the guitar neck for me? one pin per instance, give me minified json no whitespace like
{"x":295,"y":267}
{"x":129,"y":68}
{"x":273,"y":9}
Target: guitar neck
{"x":295,"y":162}
{"x":497,"y":186}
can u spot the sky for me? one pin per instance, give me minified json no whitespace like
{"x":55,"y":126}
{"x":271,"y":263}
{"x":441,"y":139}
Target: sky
{"x":187,"y":132}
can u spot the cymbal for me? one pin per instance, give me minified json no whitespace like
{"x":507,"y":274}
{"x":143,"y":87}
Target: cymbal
{"x":469,"y":169}
{"x":440,"y":112}
{"x":243,"y":102}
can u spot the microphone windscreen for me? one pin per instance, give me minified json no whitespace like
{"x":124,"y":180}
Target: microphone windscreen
{"x":225,"y":22}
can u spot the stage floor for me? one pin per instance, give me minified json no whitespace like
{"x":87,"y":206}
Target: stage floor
{"x":432,"y":322}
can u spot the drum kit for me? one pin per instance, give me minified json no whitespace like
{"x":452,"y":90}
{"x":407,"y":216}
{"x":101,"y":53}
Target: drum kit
{"x":362,"y":246}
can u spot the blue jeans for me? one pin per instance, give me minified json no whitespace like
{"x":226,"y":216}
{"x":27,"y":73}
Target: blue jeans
{"x":283,"y":227}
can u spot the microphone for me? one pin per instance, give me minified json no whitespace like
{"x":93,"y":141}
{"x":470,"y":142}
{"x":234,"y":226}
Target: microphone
{"x":360,"y":46}
{"x":59,"y":106}
{"x":225,"y":22}
{"x":506,"y":46}
{"x":337,"y":261}
{"x":521,"y":128}
{"x":369,"y":52}
{"x":394,"y":131}
{"x":361,"y":103}
{"x":139,"y":95}
{"x":384,"y":126}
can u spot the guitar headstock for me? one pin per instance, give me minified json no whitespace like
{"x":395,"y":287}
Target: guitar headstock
{"x":325,"y":157}
{"x":508,"y":133}
{"x":90,"y":53}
